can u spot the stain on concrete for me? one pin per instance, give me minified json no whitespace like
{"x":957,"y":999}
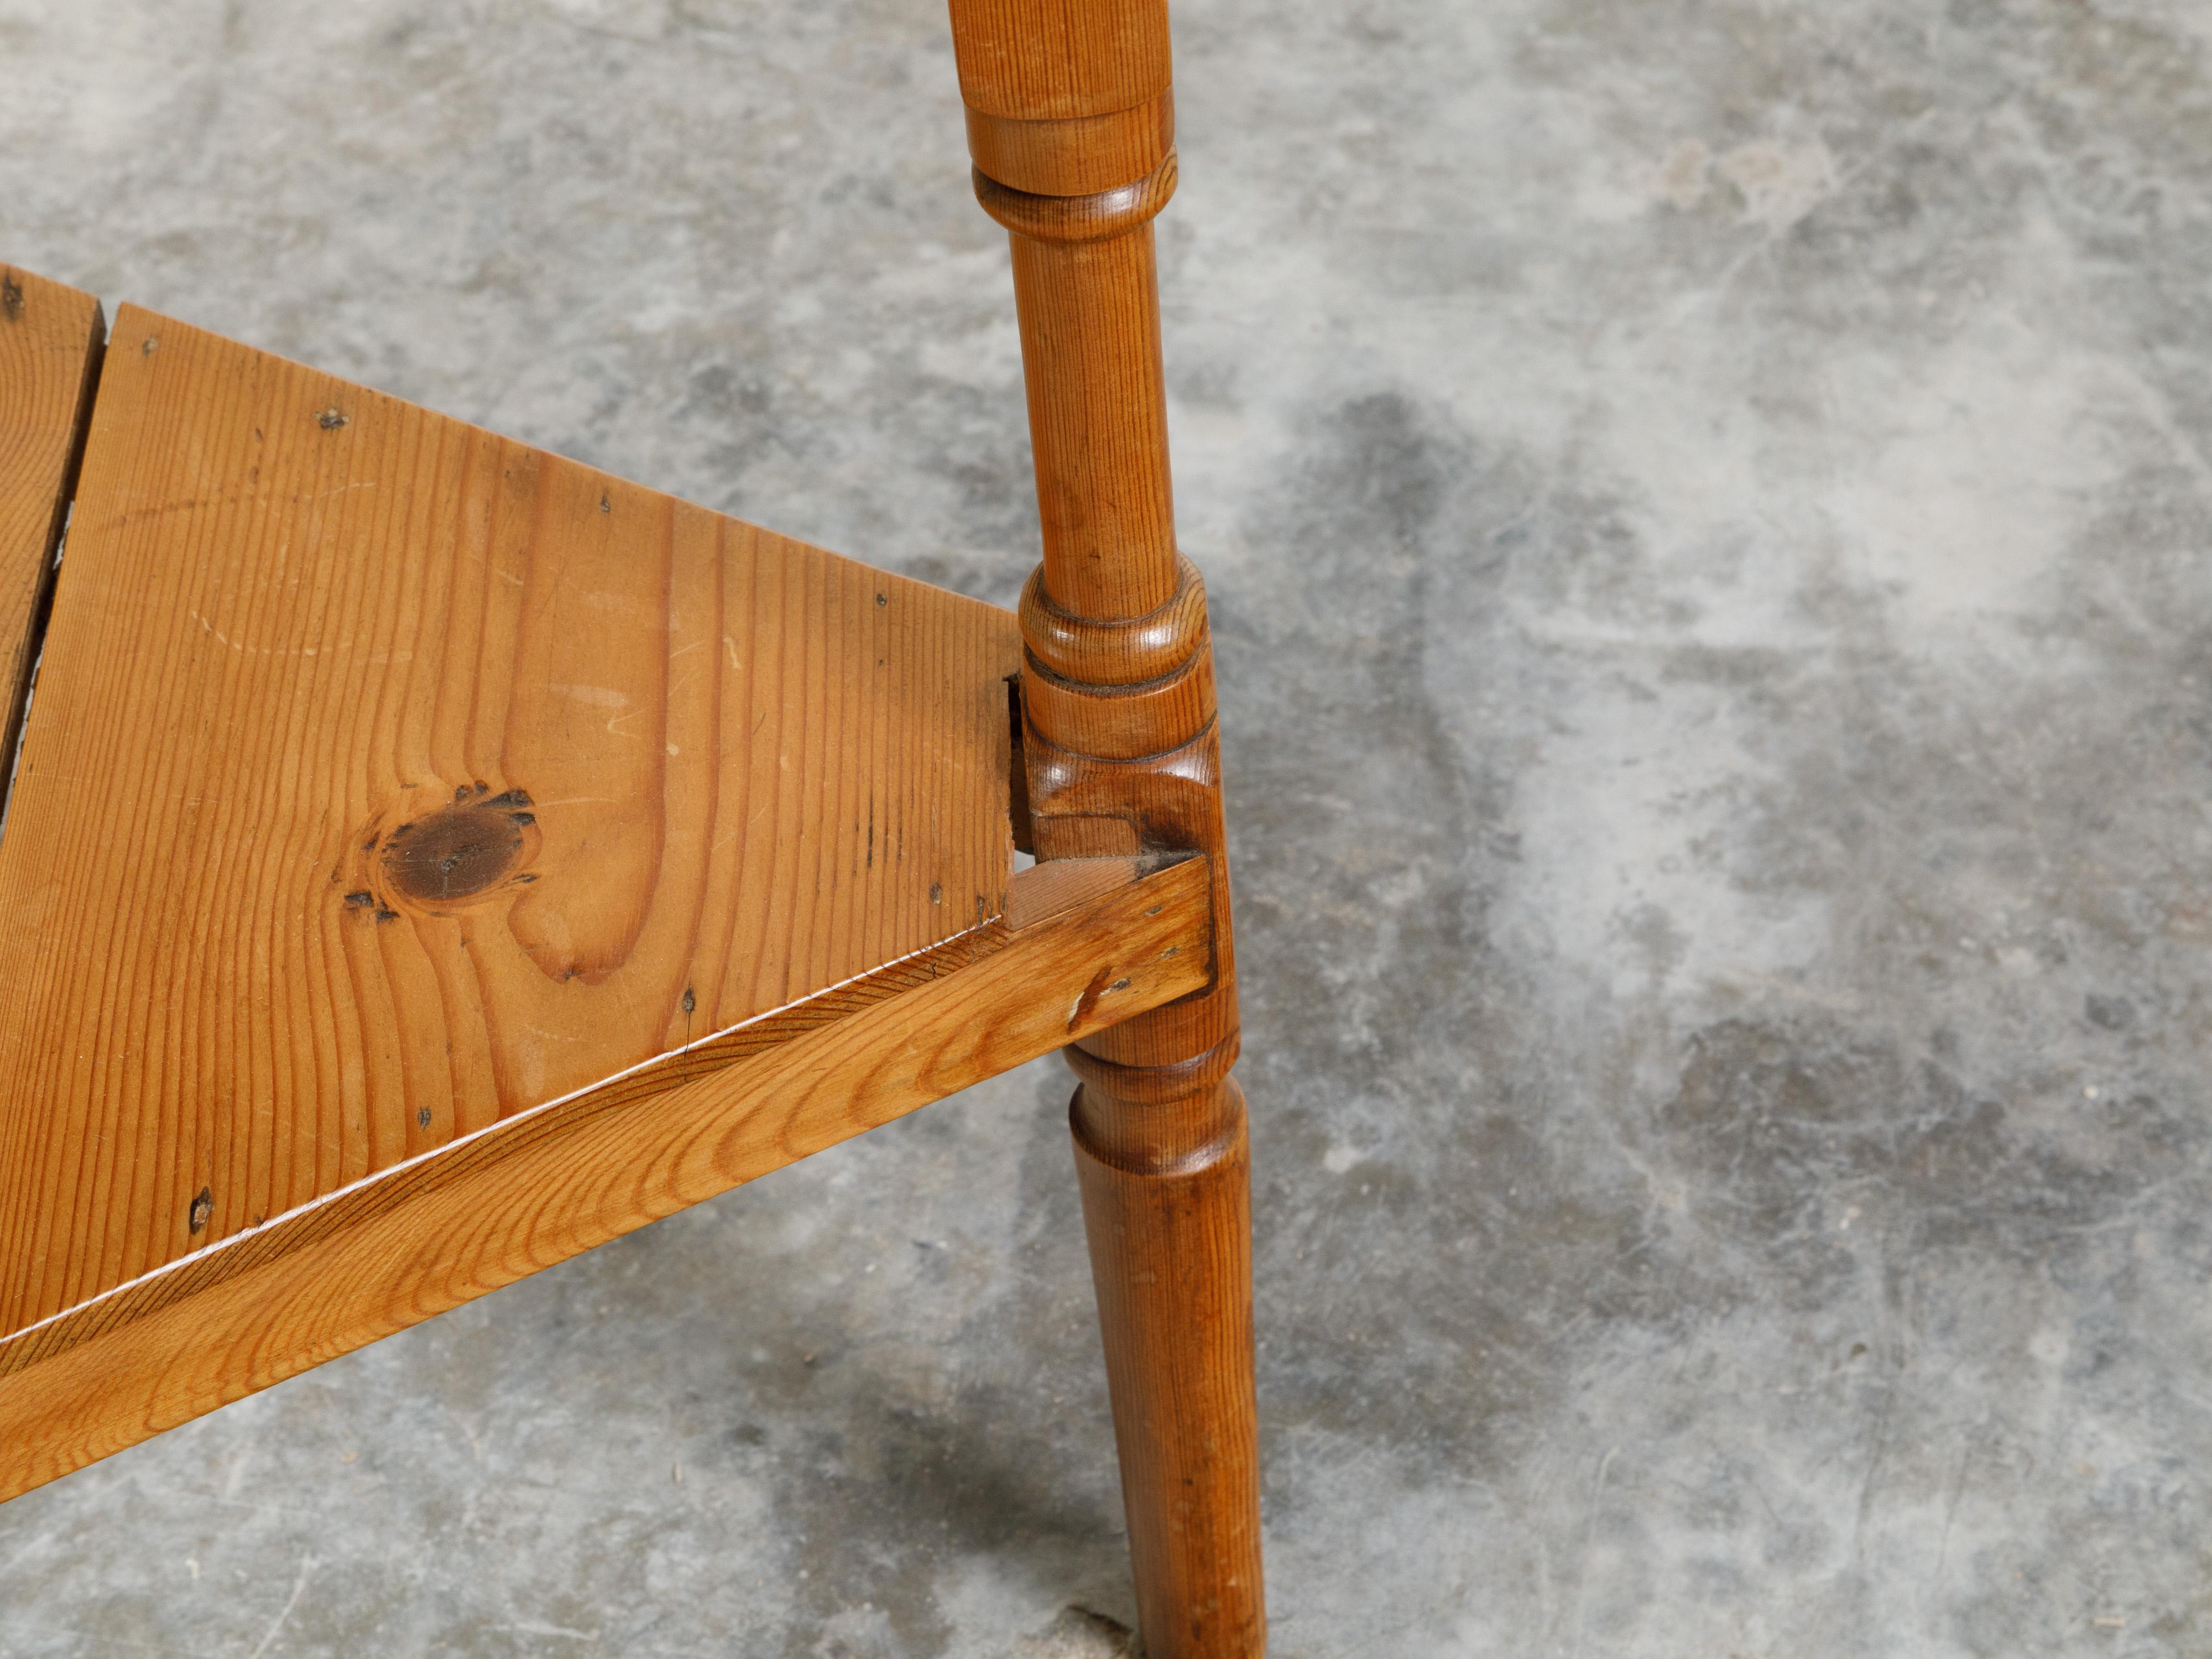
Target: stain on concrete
{"x":1704,"y":508}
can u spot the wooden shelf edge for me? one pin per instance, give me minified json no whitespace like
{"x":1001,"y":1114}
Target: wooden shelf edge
{"x":548,"y":1183}
{"x":50,"y":358}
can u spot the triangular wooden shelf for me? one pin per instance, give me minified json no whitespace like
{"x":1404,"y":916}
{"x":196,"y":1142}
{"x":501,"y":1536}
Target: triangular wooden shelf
{"x":430,"y":858}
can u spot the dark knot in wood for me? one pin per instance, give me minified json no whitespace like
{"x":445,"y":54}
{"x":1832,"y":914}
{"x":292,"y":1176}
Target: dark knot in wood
{"x":459,"y":851}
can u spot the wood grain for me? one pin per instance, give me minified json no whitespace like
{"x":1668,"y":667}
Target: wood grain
{"x":548,"y":1183}
{"x":1171,"y":1260}
{"x":50,"y":344}
{"x":1122,"y":750}
{"x":1059,"y":60}
{"x":388,"y":778}
{"x":1073,"y":158}
{"x":1086,"y":297}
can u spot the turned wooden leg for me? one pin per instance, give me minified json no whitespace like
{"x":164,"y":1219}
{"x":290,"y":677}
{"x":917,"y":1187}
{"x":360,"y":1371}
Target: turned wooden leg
{"x":1161,"y":1143}
{"x":1071,"y":124}
{"x":1167,"y":1201}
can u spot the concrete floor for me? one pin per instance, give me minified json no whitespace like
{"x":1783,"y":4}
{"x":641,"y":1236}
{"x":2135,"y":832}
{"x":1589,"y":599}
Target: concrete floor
{"x":1708,"y":509}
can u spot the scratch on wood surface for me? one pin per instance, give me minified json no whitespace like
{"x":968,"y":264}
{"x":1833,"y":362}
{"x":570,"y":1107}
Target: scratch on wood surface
{"x":757,"y":854}
{"x":222,"y":638}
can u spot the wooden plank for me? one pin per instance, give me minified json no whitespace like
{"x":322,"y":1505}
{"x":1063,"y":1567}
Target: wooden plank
{"x":50,"y":344}
{"x":544,"y":1185}
{"x":388,"y":779}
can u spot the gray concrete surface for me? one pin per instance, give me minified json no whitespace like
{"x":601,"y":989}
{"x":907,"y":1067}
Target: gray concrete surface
{"x":1708,"y":509}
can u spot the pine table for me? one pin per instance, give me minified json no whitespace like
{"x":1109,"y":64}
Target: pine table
{"x":429,"y":858}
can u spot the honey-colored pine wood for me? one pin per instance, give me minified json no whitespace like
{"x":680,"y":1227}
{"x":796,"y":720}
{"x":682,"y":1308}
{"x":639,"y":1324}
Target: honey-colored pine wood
{"x":1086,"y":295}
{"x":1095,"y":941}
{"x":388,"y":779}
{"x":433,"y":858}
{"x":50,"y":342}
{"x":1122,"y":756}
{"x":1059,"y":60}
{"x":1167,"y":1204}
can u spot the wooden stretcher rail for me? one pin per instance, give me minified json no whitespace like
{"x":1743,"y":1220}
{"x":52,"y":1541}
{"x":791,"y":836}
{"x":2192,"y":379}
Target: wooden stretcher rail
{"x":1092,"y":946}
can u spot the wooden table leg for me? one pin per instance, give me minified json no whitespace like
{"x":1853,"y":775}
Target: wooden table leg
{"x":1166,"y":1199}
{"x":1070,"y":121}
